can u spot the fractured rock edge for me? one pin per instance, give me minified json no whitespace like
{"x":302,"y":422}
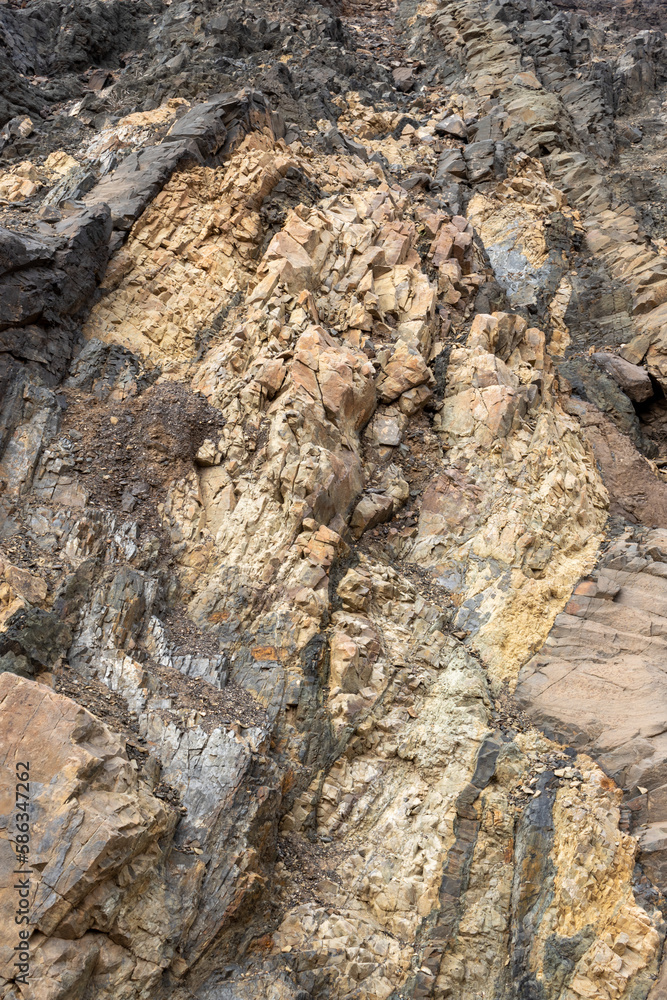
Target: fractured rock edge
{"x":455,"y":858}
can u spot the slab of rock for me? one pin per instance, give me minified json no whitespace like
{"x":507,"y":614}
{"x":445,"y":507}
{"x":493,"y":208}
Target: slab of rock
{"x":370,"y":511}
{"x":454,"y":126}
{"x":633,"y":380}
{"x":335,"y":141}
{"x":204,"y":124}
{"x":599,"y":384}
{"x":599,"y":684}
{"x":636,"y":492}
{"x":452,"y":163}
{"x":527,"y":79}
{"x":129,"y":189}
{"x":479,"y":158}
{"x":32,"y":638}
{"x":43,"y":282}
{"x":81,"y":780}
{"x":404,"y":78}
{"x":26,"y":584}
{"x":386,"y":429}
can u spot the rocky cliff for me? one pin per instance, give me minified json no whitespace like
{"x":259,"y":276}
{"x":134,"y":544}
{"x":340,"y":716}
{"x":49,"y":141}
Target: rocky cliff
{"x":333,"y":499}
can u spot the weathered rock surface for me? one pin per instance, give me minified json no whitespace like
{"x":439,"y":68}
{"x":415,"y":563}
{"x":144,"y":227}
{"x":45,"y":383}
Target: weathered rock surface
{"x":332,"y":499}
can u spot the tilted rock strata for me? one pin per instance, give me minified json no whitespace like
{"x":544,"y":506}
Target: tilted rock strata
{"x":318,"y":489}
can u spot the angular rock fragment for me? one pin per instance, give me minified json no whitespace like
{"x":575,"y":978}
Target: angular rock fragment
{"x":404,"y":78}
{"x":454,"y":126}
{"x":370,"y":511}
{"x":405,"y":369}
{"x":316,"y":439}
{"x":452,"y":162}
{"x":632,"y":379}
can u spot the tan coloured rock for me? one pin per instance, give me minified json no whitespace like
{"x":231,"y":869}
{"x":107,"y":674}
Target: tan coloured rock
{"x":272,"y":376}
{"x":609,"y":641}
{"x":446,"y":852}
{"x":625,"y":938}
{"x":355,"y":590}
{"x":27,"y":585}
{"x":371,"y":510}
{"x":23,"y":181}
{"x":186,"y":290}
{"x":81,"y":780}
{"x":412,"y":400}
{"x":488,"y":406}
{"x":405,"y":369}
{"x":343,"y":381}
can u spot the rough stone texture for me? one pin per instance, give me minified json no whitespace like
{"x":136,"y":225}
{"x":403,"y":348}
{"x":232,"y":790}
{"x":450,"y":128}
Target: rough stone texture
{"x":609,"y":640}
{"x":332,"y":498}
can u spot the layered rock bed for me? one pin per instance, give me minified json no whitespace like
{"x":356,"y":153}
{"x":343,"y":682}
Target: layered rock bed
{"x":333,"y":481}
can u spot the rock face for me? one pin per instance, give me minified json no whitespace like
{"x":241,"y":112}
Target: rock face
{"x":333,"y":440}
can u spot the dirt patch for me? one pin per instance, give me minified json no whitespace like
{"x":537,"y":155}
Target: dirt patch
{"x":129,"y":451}
{"x":108,"y":706}
{"x":185,"y":637}
{"x":305,"y":866}
{"x":231,"y":707}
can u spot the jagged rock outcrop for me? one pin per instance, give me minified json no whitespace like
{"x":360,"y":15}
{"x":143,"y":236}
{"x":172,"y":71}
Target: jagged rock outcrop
{"x":332,"y":521}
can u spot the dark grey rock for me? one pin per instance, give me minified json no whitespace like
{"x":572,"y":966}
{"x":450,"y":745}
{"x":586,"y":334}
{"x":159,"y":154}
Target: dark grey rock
{"x":452,"y":163}
{"x":204,"y":124}
{"x":35,"y":637}
{"x":417,"y":179}
{"x":132,"y":185}
{"x":335,"y":142}
{"x":454,"y":126}
{"x":632,"y":379}
{"x":479,"y":157}
{"x":594,"y":385}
